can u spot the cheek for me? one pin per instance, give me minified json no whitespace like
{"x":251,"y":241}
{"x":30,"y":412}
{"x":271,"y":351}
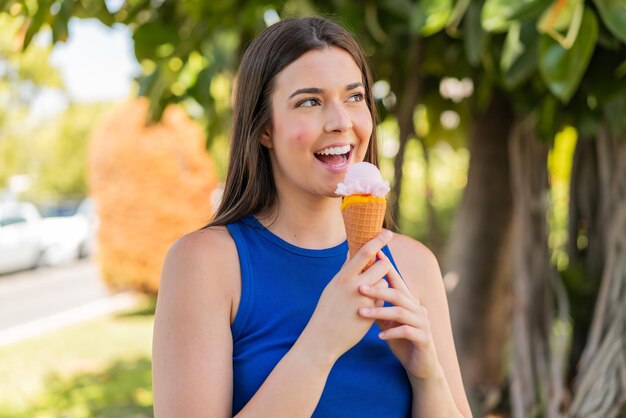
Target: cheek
{"x":295,"y":132}
{"x":363,"y":126}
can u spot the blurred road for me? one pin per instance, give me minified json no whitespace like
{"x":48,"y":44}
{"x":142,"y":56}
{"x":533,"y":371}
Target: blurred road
{"x":40,"y":300}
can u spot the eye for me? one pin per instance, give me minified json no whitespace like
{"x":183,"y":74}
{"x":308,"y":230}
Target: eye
{"x":308,"y":102}
{"x":357,"y":97}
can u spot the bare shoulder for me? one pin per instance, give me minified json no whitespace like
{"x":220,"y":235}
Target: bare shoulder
{"x":203,"y":244}
{"x":192,"y":343}
{"x":404,"y":245}
{"x":200,"y":254}
{"x":202,"y":265}
{"x":416,"y":263}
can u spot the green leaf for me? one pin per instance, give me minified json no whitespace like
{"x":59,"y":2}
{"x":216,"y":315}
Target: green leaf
{"x":35,"y":23}
{"x":475,"y":36}
{"x":562,"y":69}
{"x":153,"y":38}
{"x":494,"y":16}
{"x":156,"y":88}
{"x":430,"y":16}
{"x":613,"y":14}
{"x":417,"y":19}
{"x":497,"y":15}
{"x":200,"y":90}
{"x":519,"y":54}
{"x":458,"y":12}
{"x":513,"y":47}
{"x":59,"y":24}
{"x":93,"y":9}
{"x":529,"y":9}
{"x":558,"y":17}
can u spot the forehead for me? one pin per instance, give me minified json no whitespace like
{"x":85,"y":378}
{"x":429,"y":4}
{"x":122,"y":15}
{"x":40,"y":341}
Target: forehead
{"x":325,"y":67}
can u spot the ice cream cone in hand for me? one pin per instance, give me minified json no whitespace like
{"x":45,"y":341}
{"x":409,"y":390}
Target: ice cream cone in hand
{"x":364,"y":204}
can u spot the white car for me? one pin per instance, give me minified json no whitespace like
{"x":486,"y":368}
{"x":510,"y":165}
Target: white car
{"x":62,"y":238}
{"x":87,"y":209}
{"x":21,"y":245}
{"x":68,"y":238}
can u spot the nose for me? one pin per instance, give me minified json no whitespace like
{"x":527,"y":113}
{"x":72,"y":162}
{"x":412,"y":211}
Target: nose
{"x":338,"y":120}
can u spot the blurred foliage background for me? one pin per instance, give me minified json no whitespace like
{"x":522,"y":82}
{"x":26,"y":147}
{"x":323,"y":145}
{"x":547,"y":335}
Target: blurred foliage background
{"x":502,"y":132}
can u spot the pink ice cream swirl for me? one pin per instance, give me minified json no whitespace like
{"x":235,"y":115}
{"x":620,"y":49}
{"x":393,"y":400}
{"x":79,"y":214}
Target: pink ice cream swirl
{"x":363,"y":178}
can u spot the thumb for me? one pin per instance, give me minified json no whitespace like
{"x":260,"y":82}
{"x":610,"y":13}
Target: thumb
{"x":360,"y":260}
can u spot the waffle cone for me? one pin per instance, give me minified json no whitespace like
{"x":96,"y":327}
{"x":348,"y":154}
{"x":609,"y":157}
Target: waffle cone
{"x":363,"y":221}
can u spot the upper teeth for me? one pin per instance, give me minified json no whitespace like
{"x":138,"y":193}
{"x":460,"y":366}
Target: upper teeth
{"x":335,"y":150}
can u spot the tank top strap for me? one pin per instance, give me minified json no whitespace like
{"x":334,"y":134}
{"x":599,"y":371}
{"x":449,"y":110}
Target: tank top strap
{"x":387,"y":252}
{"x":247,"y":274}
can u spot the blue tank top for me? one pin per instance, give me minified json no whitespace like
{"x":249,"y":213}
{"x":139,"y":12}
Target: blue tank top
{"x":280,"y":286}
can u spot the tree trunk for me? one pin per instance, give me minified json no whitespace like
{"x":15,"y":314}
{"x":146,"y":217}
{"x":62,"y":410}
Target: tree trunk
{"x":432,"y":228}
{"x":409,"y":98}
{"x":584,"y":211}
{"x":538,"y":367}
{"x":600,"y":388}
{"x":586,"y":259}
{"x":477,"y":264}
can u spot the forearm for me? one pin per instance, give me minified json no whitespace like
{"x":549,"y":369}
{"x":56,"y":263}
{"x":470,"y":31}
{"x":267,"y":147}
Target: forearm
{"x":433,"y":398}
{"x":294,"y":387}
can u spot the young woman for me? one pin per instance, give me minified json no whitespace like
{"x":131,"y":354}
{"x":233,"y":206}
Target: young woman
{"x":261,"y":313}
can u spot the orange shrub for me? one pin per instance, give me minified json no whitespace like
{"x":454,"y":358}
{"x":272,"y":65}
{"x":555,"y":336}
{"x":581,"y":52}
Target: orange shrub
{"x":151,"y":185}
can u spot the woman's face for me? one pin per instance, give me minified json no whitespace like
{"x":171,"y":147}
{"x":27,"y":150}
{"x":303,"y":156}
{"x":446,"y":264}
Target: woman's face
{"x":320,"y":122}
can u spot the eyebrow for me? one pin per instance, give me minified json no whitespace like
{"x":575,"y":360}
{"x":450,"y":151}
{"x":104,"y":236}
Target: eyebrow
{"x":316,"y":90}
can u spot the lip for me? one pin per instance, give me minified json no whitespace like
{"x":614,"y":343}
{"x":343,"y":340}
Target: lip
{"x":337,"y":169}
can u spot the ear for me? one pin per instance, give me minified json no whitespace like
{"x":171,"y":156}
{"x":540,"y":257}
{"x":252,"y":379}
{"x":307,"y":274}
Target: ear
{"x":266,"y":139}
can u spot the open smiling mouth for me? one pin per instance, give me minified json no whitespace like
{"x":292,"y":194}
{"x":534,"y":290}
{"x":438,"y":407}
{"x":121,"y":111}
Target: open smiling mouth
{"x":335,"y":156}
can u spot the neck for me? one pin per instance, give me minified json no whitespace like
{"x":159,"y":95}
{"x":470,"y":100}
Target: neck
{"x":313,"y":222}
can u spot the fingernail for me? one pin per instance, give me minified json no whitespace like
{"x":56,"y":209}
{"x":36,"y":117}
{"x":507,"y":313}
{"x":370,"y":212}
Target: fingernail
{"x":365,"y":311}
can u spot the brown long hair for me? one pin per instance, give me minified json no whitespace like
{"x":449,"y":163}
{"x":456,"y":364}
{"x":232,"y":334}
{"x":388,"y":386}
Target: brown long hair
{"x":249,"y":186}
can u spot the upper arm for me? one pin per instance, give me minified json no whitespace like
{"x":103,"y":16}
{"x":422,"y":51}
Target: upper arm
{"x":192,"y":344}
{"x":420,"y":270}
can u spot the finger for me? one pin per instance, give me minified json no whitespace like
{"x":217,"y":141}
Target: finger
{"x":383,"y":284}
{"x":395,"y":280}
{"x":367,"y":252}
{"x":391,"y":295}
{"x":406,"y":332}
{"x":375,"y":273}
{"x":396,"y":314}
